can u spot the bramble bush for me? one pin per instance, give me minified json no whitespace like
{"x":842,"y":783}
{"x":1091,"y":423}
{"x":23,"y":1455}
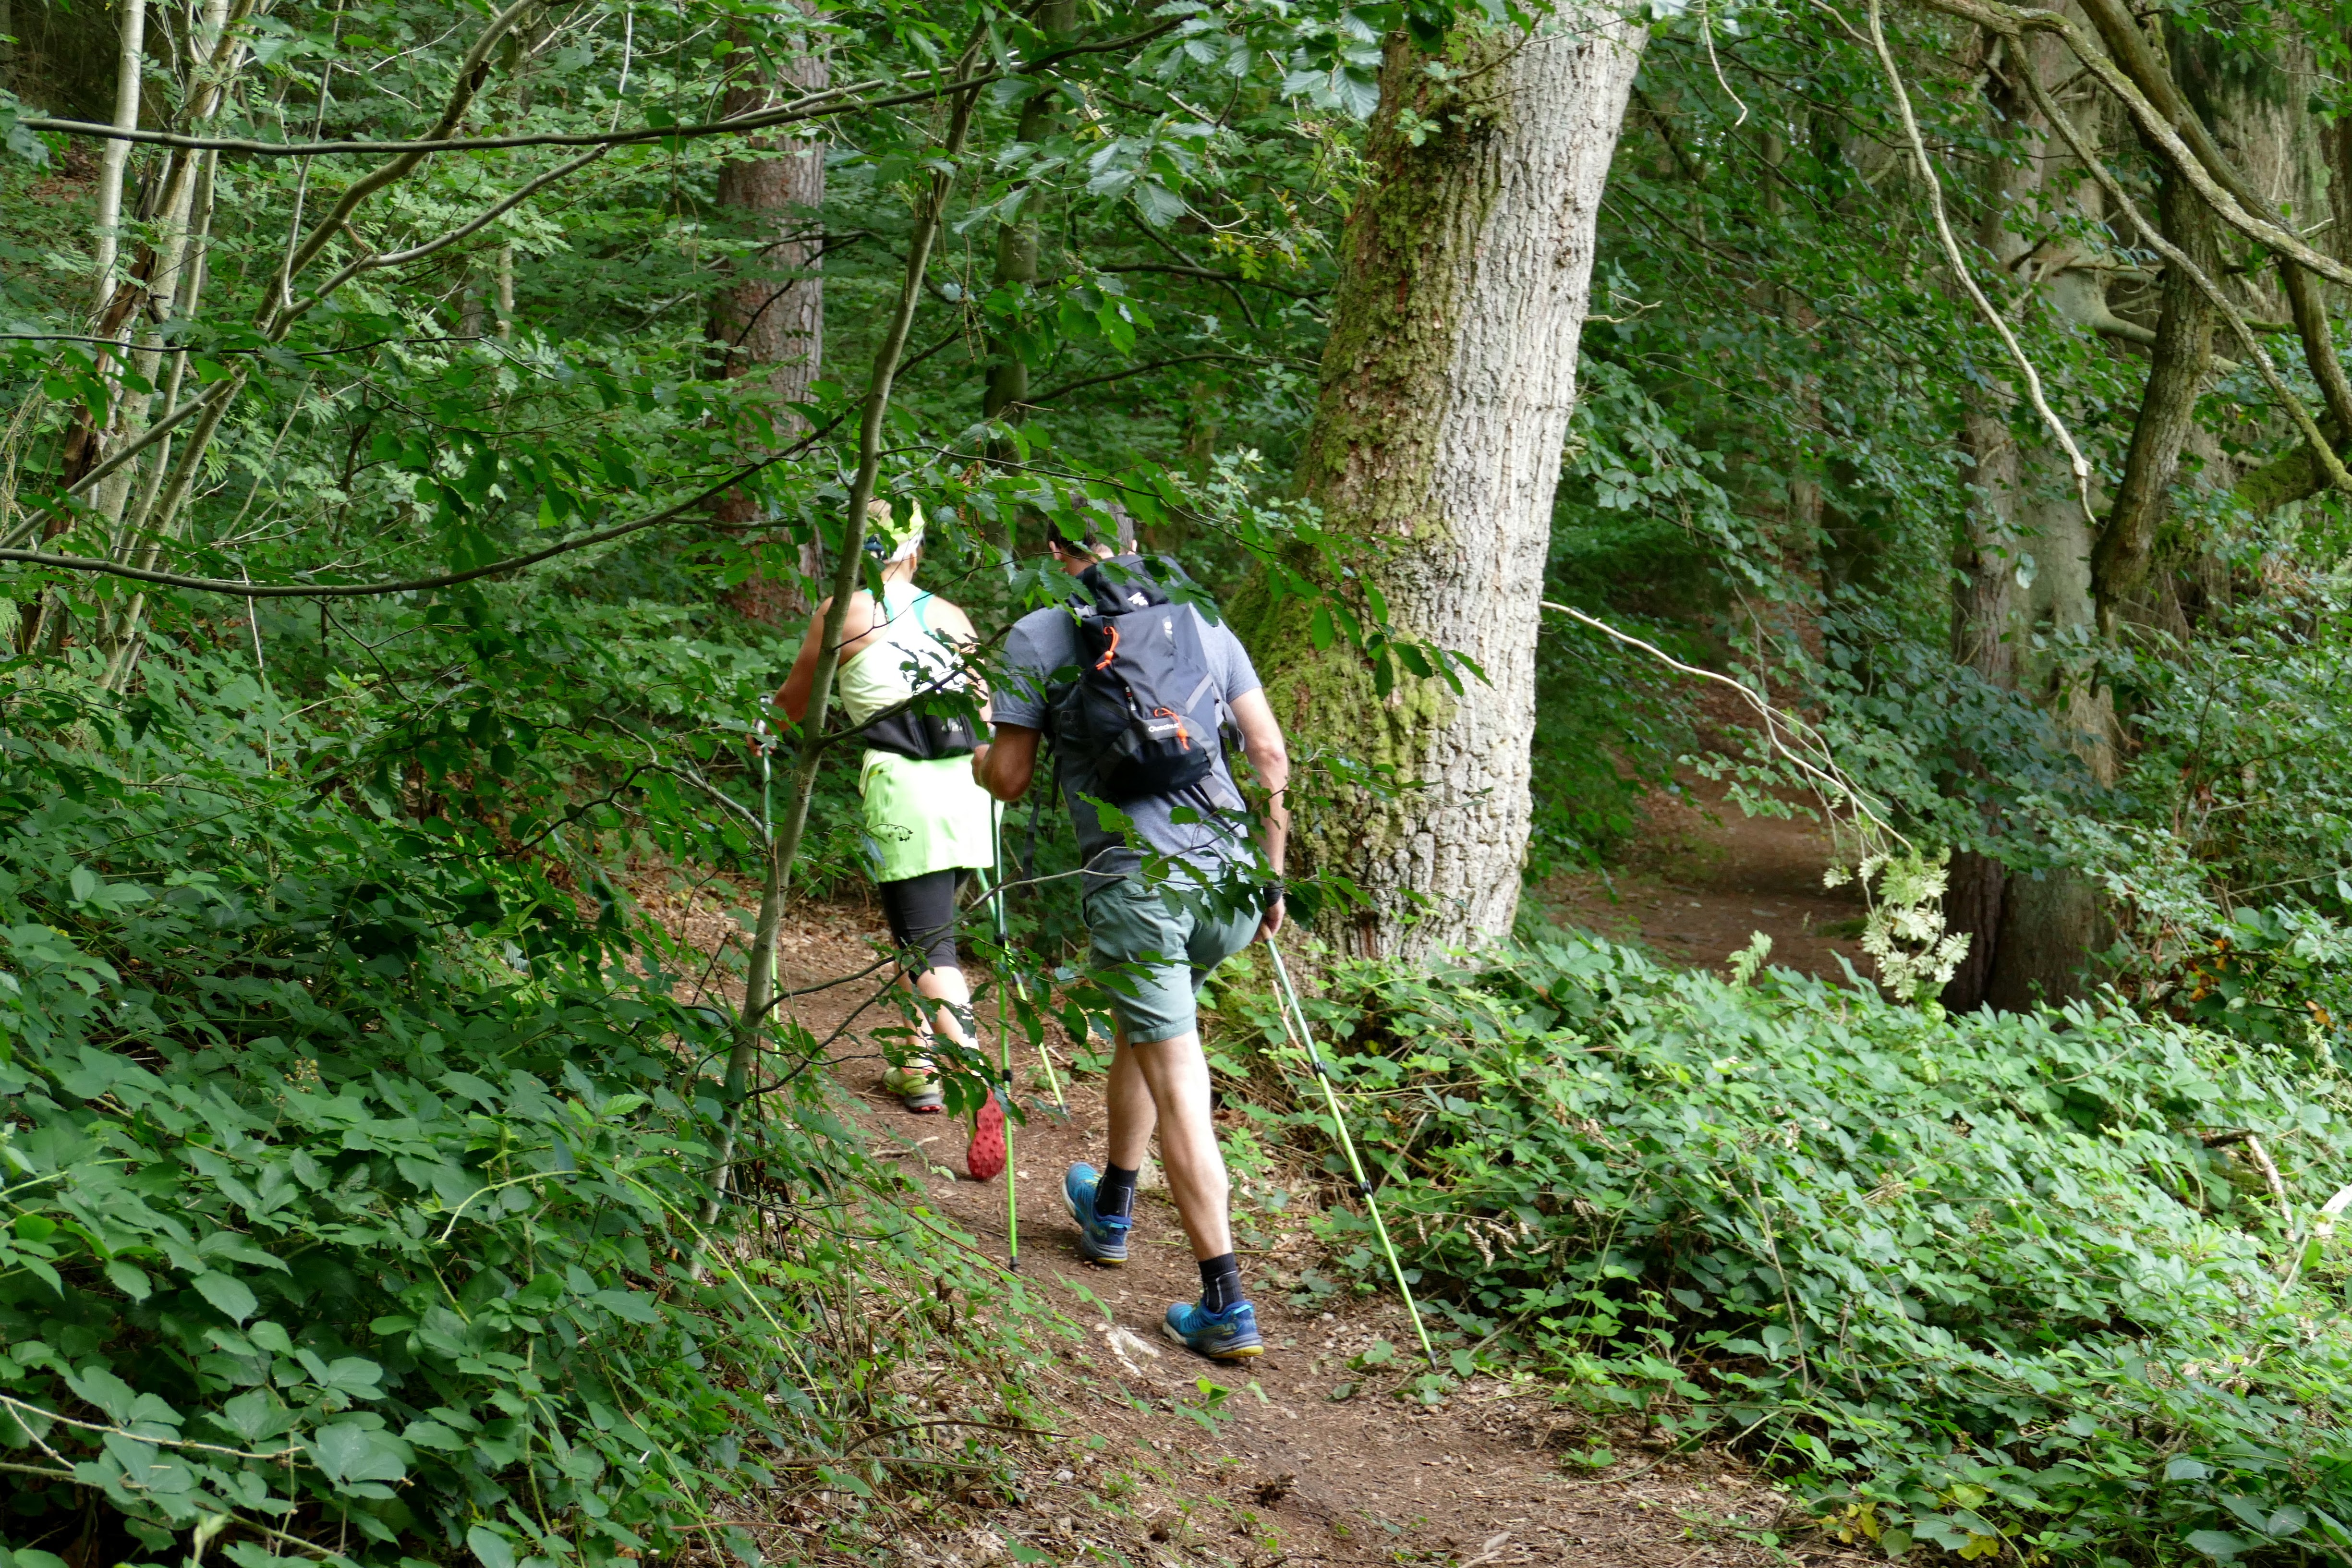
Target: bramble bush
{"x":2008,"y":1285}
{"x":352,"y":1180}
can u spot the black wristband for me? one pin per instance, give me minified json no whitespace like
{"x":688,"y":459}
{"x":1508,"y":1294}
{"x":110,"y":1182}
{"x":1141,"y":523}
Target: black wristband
{"x":1270,"y":893}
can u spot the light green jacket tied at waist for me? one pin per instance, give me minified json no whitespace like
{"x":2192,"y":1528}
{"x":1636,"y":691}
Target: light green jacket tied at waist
{"x":920,"y":816}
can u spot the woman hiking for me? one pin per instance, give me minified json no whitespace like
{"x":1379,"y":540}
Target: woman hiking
{"x":928,"y":824}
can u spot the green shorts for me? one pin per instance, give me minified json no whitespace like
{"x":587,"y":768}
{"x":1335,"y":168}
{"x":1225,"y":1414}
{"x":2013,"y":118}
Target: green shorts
{"x":1173,"y":948}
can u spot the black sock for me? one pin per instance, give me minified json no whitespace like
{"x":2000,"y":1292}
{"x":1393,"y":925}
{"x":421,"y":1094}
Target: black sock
{"x":1114,"y":1193}
{"x":1220,"y":1283}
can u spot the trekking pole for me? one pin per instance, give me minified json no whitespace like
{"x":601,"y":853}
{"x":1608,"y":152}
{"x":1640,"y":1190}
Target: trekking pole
{"x":1012,"y":1172}
{"x":1287,"y":1002}
{"x":1020,"y":986}
{"x":768,"y":835}
{"x":1005,"y":1058}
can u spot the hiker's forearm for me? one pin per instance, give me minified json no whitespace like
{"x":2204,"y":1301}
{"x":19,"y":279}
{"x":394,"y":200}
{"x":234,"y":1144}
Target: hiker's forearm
{"x":1274,"y":837}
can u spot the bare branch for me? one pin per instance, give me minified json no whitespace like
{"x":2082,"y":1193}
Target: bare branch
{"x":813,"y":106}
{"x":1214,"y":276}
{"x":2015,"y":22}
{"x":1952,"y":253}
{"x":472,"y":72}
{"x":1069,"y":386}
{"x":418,"y":252}
{"x":240,"y":590}
{"x":2175,"y":257}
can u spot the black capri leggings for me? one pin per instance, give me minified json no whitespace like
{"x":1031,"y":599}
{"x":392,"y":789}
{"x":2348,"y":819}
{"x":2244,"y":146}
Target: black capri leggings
{"x":922,"y":912}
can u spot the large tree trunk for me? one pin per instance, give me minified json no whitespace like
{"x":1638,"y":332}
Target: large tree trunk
{"x":2168,"y":409}
{"x":2022,"y":589}
{"x":770,"y":323}
{"x":1984,"y":640}
{"x":1447,"y":392}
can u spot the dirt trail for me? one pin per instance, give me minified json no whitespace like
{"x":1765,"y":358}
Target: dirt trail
{"x":1283,"y":1469}
{"x":1702,"y":877}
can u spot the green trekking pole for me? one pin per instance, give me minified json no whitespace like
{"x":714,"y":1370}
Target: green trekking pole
{"x":1288,"y":1002}
{"x":1004,"y":1060}
{"x":1012,"y":1174}
{"x":1021,"y":989}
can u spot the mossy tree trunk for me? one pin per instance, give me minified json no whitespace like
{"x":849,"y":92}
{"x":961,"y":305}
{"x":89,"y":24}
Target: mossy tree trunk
{"x":1436,"y":444}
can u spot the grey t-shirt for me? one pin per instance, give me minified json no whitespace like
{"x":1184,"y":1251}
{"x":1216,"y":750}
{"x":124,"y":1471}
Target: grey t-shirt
{"x":1041,"y":656}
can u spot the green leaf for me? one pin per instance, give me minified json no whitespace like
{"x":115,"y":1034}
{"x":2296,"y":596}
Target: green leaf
{"x":1159,"y":205}
{"x":228,"y":1293}
{"x":347,"y":1453}
{"x":433,"y":1435}
{"x":630,"y":1306}
{"x":2218,"y":1545}
{"x":129,"y":1278}
{"x":490,"y":1547}
{"x":255,"y":1414}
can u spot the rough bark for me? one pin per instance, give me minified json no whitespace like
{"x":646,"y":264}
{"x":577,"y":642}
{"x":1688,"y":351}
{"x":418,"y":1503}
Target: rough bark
{"x":2022,"y":585}
{"x":1983,"y":639}
{"x":1987,"y":555}
{"x":2184,"y":338}
{"x":1447,"y":390}
{"x":770,"y":322}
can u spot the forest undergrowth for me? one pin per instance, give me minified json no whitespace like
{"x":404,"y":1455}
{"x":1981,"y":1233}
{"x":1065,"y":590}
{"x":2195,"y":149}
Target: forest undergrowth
{"x":2016,"y":1285}
{"x":361,"y":1181}
{"x":359,"y":1208}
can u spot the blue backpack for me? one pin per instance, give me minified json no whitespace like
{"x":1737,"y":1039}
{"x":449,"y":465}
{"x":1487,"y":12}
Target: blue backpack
{"x":1146,"y":710}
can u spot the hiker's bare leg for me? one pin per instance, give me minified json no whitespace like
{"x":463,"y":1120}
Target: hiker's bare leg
{"x":1174,"y":1077}
{"x":943,"y":984}
{"x":1127,"y":1098}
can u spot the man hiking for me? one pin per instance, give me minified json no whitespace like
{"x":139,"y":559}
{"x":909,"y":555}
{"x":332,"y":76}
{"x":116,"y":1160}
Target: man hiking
{"x":1086,"y":674}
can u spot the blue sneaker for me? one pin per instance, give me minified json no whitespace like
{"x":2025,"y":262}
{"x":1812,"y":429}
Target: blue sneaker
{"x":1229,"y":1335}
{"x":1099,"y":1240}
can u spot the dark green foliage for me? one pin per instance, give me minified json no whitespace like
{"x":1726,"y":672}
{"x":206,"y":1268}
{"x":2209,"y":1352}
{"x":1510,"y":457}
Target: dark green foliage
{"x":2002,"y":1284}
{"x":351,"y":1178}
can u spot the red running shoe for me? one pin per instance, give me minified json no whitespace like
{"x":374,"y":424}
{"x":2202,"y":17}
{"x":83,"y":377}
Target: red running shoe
{"x":984,"y":1160}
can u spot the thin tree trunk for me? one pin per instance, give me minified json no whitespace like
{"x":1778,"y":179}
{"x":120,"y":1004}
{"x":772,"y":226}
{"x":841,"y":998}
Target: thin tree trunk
{"x":127,"y":88}
{"x":769,"y":325}
{"x":1447,"y":392}
{"x":1007,"y":397}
